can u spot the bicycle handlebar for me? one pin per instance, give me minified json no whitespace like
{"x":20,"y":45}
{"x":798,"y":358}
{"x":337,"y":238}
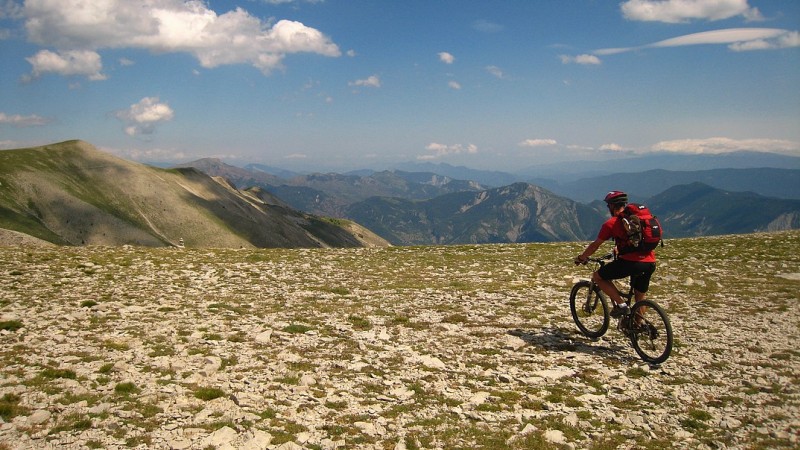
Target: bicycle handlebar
{"x":607,"y":257}
{"x":600,"y":260}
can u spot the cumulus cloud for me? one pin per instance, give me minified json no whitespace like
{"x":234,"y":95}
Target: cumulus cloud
{"x":584,"y":59}
{"x":446,"y":58}
{"x":680,"y":11}
{"x":73,"y":62}
{"x":170,"y":26}
{"x":142,"y":117}
{"x":717,"y":145}
{"x":17,"y":120}
{"x":612,"y":147}
{"x":454,"y":85}
{"x":440,"y":150}
{"x":370,"y":81}
{"x":538,"y":143}
{"x":737,"y":39}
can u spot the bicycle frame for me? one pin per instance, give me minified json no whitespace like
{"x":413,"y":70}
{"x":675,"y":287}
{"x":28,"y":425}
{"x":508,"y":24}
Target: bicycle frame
{"x":627,"y":296}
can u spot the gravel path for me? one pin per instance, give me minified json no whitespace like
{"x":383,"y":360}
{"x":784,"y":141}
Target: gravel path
{"x":392,"y":348}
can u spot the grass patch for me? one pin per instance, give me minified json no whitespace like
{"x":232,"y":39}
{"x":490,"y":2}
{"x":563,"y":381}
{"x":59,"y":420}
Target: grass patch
{"x":53,"y":374}
{"x":71,"y":423}
{"x":126,"y":389}
{"x":297,"y":329}
{"x":637,"y":372}
{"x":10,"y":407}
{"x":208,"y":393}
{"x":10,"y":325}
{"x":359,"y":323}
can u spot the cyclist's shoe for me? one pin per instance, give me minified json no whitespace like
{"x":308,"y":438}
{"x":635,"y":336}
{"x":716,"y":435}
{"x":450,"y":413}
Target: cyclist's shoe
{"x":620,"y":310}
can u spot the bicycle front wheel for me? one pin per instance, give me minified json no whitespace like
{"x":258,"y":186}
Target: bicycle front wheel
{"x":589,"y":309}
{"x":651,"y":332}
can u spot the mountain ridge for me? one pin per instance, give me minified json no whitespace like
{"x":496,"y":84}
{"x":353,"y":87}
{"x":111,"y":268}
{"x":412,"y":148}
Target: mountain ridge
{"x":70,"y":193}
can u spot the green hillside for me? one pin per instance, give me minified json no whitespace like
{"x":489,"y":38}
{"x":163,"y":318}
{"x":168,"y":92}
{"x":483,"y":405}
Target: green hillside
{"x":71,"y":193}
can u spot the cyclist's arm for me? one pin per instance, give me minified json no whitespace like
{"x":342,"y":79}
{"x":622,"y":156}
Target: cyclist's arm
{"x":590,"y":249}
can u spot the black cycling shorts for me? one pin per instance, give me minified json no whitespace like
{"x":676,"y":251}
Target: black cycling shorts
{"x":621,"y":268}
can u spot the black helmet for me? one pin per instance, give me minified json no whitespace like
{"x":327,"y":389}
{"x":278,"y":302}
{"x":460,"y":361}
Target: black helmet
{"x":615,"y":197}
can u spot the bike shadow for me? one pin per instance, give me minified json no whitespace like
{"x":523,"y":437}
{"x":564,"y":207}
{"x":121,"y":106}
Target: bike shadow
{"x":561,"y":340}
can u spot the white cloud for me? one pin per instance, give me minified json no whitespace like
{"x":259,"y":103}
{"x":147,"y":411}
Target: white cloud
{"x":454,"y":85}
{"x":538,"y":143}
{"x":446,"y":58}
{"x":737,"y":38}
{"x":783,"y":40}
{"x":176,"y":26}
{"x":613,"y":147}
{"x":73,"y":62}
{"x":371,"y":81}
{"x":496,"y":71}
{"x":440,"y":150}
{"x":584,"y":59}
{"x":22,"y":121}
{"x":680,"y":11}
{"x":717,"y":145}
{"x":142,"y":117}
{"x":296,"y":156}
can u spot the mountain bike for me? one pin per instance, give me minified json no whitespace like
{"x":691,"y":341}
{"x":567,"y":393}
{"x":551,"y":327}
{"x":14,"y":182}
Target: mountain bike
{"x":646,"y":325}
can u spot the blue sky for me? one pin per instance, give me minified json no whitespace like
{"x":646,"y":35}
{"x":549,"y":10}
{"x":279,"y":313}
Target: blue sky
{"x":344,"y":84}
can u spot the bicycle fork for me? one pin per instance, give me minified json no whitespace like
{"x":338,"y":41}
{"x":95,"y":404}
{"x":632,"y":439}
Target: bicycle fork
{"x":589,"y":305}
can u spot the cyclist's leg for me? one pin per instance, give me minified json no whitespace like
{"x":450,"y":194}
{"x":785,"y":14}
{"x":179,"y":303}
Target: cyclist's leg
{"x":640,"y":281}
{"x":612,"y":271}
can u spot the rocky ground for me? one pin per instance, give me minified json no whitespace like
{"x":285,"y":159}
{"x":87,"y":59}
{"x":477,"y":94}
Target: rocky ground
{"x":392,"y":348}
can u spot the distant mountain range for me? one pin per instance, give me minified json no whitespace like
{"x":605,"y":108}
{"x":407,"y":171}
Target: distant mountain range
{"x":72,"y":194}
{"x":526,"y":213}
{"x":519,"y":212}
{"x":330,"y":194}
{"x":769,"y":182}
{"x":697,"y":209}
{"x":427,"y":208}
{"x":566,"y":173}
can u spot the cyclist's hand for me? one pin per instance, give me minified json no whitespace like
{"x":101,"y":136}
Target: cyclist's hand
{"x":580,"y":259}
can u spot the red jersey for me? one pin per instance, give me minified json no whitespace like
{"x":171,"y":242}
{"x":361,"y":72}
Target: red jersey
{"x":613,"y":228}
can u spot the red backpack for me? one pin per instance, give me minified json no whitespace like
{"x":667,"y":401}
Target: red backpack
{"x":643,"y":228}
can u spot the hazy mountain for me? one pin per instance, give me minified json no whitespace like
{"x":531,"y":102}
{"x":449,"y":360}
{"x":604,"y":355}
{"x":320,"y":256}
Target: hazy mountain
{"x":769,"y":182}
{"x":516,"y":213}
{"x":70,"y":193}
{"x":489,"y":178}
{"x":698,"y":209}
{"x":276,"y":171}
{"x":240,"y":177}
{"x":526,"y":213}
{"x":330,"y":193}
{"x":572,"y":170}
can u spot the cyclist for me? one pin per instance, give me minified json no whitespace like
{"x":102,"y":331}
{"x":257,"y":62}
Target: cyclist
{"x":638,"y":265}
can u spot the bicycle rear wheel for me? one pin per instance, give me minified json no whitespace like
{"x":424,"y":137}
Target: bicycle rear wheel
{"x":651,"y":332}
{"x":589,"y":309}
